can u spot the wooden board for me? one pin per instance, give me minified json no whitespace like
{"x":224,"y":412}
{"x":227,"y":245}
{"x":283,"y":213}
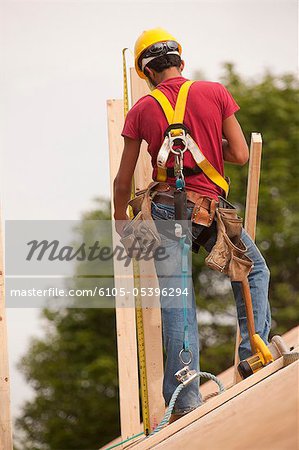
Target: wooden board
{"x":211,"y":405}
{"x":253,"y":181}
{"x":291,"y":338}
{"x":5,"y":419}
{"x":125,"y":308}
{"x":151,"y":306}
{"x":265,"y":417}
{"x":253,"y":184}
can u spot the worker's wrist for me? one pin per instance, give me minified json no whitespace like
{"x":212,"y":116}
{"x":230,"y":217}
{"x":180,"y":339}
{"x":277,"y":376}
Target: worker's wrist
{"x":120,"y":216}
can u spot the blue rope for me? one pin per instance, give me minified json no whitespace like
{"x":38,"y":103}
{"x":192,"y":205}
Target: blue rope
{"x":174,"y":397}
{"x":167,"y":415}
{"x":169,"y":410}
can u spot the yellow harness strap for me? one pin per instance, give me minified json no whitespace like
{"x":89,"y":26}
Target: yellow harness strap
{"x":180,"y":106}
{"x":214,"y":175}
{"x":177,"y":116}
{"x":164,"y":103}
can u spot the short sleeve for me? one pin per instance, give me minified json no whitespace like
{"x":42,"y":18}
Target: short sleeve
{"x":228,"y":104}
{"x":131,"y":126}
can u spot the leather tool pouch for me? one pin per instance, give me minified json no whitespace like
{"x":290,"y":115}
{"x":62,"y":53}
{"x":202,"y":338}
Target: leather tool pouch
{"x":141,"y":235}
{"x":136,"y":202}
{"x":203,"y":215}
{"x":228,"y":254}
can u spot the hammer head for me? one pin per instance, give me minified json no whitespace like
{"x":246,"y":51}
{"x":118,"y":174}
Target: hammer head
{"x":262,"y":350}
{"x":278,"y":347}
{"x":264,"y":355}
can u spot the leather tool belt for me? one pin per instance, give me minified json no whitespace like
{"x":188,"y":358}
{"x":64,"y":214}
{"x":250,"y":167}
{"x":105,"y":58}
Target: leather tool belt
{"x":204,"y":208}
{"x":228,"y":255}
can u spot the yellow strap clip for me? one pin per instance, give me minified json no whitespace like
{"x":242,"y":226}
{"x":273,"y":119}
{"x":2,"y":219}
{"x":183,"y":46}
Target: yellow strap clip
{"x":176,"y":132}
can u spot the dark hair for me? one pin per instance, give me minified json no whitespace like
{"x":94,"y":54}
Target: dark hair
{"x":164,"y":62}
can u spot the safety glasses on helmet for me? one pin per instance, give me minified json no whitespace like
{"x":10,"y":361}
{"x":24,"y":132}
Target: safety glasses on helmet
{"x":159,"y":49}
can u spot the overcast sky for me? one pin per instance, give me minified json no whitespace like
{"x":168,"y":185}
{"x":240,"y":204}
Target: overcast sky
{"x":61,"y":61}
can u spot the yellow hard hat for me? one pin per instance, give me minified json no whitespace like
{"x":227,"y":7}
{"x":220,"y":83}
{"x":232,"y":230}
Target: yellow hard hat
{"x":147,"y":39}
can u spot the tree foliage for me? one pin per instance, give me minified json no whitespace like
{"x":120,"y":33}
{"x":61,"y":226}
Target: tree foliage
{"x":73,"y":367}
{"x":268,"y":106}
{"x":73,"y":371}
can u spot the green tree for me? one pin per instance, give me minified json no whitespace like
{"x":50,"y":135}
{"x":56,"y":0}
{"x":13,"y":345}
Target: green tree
{"x":73,"y":371}
{"x":73,"y":367}
{"x":271,"y":107}
{"x":268,"y":106}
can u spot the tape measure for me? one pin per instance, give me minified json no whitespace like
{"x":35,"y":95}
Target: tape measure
{"x":125,"y":81}
{"x":137,"y":286}
{"x":141,"y":352}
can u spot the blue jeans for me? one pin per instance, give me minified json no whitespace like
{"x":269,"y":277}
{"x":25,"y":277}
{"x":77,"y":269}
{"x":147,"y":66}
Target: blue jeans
{"x":173,"y":317}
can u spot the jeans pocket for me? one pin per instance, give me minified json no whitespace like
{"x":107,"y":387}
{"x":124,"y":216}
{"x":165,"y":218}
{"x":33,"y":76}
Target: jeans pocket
{"x":163,"y":211}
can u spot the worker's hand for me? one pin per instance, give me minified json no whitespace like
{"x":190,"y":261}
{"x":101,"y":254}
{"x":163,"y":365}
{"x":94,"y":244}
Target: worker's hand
{"x":224,"y":143}
{"x":120,"y":224}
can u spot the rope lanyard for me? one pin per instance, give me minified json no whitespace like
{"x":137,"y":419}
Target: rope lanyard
{"x":165,"y":420}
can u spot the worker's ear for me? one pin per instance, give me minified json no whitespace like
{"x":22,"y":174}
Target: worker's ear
{"x":150,"y":80}
{"x":149,"y":72}
{"x":182,"y":66}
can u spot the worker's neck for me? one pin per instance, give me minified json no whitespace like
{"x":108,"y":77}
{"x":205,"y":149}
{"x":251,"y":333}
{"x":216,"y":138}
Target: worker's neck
{"x":172,"y":72}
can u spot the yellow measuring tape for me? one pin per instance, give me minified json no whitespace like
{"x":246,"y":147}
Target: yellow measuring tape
{"x":137,"y":286}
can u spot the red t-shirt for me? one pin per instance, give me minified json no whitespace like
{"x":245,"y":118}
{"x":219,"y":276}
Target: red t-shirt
{"x":208,"y":104}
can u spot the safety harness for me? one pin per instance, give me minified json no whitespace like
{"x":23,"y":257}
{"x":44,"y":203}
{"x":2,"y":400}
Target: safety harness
{"x":178,"y":135}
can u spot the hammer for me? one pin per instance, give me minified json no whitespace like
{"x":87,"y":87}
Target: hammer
{"x":262,"y":354}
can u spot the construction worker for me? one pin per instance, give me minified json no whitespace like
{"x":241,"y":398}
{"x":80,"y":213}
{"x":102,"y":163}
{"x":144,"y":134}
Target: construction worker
{"x":210,"y":115}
